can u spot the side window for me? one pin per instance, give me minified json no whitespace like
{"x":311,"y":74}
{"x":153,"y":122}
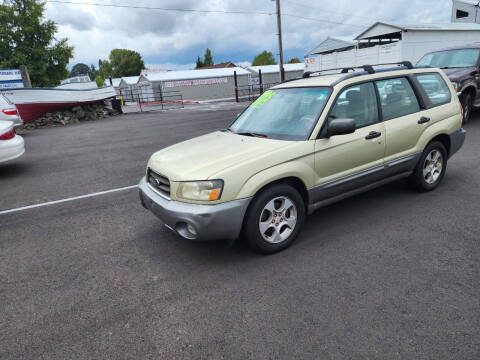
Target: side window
{"x":435,"y":87}
{"x":397,"y":98}
{"x":357,"y":102}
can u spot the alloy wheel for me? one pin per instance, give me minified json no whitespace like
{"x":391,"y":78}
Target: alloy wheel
{"x":278,"y":219}
{"x":432,"y":167}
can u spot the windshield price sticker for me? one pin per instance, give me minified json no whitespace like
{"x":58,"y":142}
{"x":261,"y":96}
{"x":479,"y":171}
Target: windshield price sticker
{"x":267,"y":95}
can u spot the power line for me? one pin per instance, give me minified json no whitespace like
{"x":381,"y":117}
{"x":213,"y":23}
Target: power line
{"x":163,"y":9}
{"x":241,"y":12}
{"x":324,"y":21}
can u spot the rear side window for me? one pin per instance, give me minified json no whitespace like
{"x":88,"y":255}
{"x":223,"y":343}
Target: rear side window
{"x":397,"y":98}
{"x":435,"y":88}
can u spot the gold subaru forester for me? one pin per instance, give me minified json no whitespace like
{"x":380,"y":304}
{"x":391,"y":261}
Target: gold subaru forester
{"x":304,"y":144}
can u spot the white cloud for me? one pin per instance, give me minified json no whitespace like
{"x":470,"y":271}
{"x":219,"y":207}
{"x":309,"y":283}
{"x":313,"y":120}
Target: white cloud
{"x":172,"y":38}
{"x":170,"y":66}
{"x":243,"y":64}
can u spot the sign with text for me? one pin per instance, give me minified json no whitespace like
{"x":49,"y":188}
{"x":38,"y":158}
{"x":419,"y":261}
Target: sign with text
{"x":196,"y":82}
{"x":10,"y":79}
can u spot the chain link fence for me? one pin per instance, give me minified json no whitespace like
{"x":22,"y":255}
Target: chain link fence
{"x":147,"y":98}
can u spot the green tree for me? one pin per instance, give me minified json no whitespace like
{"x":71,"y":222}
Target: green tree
{"x":105,"y":70}
{"x":207,"y":58}
{"x":79,"y":69}
{"x":264,"y":58}
{"x":99,"y":81}
{"x":294,"y":60}
{"x":26,"y":38}
{"x":122,"y":62}
{"x":199,"y":63}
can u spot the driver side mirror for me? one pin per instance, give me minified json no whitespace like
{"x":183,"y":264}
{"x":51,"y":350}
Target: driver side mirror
{"x":340,"y":127}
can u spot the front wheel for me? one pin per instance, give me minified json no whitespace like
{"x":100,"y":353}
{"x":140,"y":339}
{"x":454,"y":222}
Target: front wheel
{"x":274,"y":218}
{"x":431,"y":167}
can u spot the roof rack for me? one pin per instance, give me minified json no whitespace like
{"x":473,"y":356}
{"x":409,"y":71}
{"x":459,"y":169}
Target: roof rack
{"x":343,"y":70}
{"x":367,"y":68}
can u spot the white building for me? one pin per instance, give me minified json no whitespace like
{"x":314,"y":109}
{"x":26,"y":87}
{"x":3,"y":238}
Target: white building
{"x":271,"y":73}
{"x":466,"y":11}
{"x":388,"y":42}
{"x":198,"y":84}
{"x":128,"y":87}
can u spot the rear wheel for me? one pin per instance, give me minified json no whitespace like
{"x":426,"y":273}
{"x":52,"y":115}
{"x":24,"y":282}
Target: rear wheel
{"x":274,"y":218}
{"x":431,"y":167}
{"x":467,"y":105}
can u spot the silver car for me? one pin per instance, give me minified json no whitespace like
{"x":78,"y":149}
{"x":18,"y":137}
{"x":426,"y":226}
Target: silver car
{"x":9,"y":112}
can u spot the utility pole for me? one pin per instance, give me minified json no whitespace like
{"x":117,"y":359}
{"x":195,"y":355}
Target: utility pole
{"x":280,"y":47}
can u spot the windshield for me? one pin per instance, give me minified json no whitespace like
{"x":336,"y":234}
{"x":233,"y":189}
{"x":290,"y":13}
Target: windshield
{"x":451,"y":58}
{"x":286,"y":114}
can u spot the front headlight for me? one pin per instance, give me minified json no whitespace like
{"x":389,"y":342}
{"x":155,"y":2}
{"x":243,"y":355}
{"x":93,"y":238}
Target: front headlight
{"x":456,"y":86}
{"x":208,"y":190}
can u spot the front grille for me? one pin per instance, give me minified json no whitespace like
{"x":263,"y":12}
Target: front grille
{"x":159,"y":182}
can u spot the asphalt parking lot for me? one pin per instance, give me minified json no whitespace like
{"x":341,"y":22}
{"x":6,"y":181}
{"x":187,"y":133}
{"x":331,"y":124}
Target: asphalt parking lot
{"x":384,"y":275}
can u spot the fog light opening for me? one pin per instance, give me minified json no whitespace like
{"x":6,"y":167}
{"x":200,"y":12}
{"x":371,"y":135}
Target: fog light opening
{"x":191,"y":229}
{"x":186,"y":230}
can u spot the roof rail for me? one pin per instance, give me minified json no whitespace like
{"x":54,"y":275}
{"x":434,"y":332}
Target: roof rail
{"x":367,"y":69}
{"x":343,"y":70}
{"x":407,"y":64}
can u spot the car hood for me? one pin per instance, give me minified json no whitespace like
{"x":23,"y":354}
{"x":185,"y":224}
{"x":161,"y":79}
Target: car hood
{"x":458,"y":74}
{"x":201,"y":157}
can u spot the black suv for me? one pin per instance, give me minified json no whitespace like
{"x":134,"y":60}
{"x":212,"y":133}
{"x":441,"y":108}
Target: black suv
{"x":462,"y":66}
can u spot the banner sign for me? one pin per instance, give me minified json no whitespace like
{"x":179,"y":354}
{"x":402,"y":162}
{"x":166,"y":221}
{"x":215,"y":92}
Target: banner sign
{"x":196,"y":82}
{"x":10,"y":79}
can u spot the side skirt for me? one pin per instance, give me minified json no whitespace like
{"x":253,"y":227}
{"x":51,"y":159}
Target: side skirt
{"x":373,"y":185}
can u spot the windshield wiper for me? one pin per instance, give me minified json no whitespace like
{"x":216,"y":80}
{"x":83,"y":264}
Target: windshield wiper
{"x":248,"y":133}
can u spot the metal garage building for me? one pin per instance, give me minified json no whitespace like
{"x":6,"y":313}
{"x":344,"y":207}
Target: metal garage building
{"x":388,"y":42}
{"x":271,"y":73}
{"x":198,"y":84}
{"x":128,"y":87}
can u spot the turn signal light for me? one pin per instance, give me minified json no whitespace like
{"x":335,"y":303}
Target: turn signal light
{"x":9,"y":111}
{"x":214,"y":194}
{"x":8,"y":135}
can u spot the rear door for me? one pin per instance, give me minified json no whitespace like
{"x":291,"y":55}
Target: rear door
{"x":405,"y":118}
{"x":347,"y":162}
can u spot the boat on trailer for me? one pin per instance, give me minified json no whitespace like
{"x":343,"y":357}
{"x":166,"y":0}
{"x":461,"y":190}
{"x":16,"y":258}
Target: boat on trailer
{"x":34,"y":102}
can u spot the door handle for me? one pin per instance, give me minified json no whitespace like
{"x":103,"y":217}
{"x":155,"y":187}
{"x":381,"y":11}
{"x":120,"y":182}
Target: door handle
{"x":423,"y":120}
{"x":373,"y":135}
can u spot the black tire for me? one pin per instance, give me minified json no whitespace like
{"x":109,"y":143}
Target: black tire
{"x":467,"y":105}
{"x":251,"y":225}
{"x":421,"y":182}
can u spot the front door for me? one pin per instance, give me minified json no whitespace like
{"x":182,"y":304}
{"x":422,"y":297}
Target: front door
{"x":347,"y":162}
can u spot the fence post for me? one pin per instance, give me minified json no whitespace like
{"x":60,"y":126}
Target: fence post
{"x":139,"y":102}
{"x":236,"y":86}
{"x":161,"y":94}
{"x":260,"y":80}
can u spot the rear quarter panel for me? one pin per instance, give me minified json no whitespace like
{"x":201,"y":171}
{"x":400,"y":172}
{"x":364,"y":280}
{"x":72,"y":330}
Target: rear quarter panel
{"x":445,"y":118}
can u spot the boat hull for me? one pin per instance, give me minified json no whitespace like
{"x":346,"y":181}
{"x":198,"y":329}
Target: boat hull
{"x":34,"y":102}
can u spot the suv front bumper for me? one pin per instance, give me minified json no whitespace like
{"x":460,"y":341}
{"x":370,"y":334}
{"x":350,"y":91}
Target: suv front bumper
{"x":210,"y":222}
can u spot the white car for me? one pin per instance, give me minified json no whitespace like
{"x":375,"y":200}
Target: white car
{"x":11,"y":144}
{"x":8,"y":111}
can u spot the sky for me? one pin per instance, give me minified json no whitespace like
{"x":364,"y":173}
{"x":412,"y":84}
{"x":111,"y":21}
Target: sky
{"x":174,"y":39}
